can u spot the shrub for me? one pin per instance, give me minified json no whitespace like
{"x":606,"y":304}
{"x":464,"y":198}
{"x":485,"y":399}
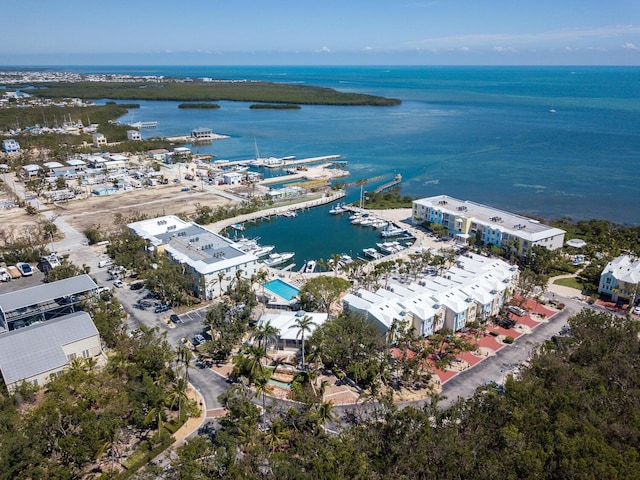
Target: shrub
{"x":508,"y":340}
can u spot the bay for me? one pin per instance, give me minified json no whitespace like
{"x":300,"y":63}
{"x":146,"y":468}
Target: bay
{"x":549,"y":142}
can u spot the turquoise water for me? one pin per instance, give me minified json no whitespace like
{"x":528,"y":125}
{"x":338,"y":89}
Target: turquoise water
{"x":480,"y":133}
{"x":282,"y":289}
{"x":278,"y":383}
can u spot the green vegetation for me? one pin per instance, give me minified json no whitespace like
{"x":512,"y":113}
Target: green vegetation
{"x":274,"y":106}
{"x":571,"y":282}
{"x":203,"y":92}
{"x":573,"y":414}
{"x":201,"y":106}
{"x":391,"y":198}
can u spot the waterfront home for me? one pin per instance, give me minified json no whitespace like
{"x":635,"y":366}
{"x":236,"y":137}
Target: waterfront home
{"x":465,"y":220}
{"x":158,"y":154}
{"x":620,"y":279}
{"x":10,"y":146}
{"x":210,"y":259}
{"x":232,"y":178}
{"x":201,"y":134}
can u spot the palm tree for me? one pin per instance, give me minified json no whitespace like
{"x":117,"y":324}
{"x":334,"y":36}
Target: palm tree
{"x":335,"y":259}
{"x":220,"y":278}
{"x":324,"y":412}
{"x":304,"y":324}
{"x":266,"y":332}
{"x":261,"y":382}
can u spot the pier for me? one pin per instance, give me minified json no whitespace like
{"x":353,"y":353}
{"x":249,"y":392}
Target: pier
{"x":252,"y":217}
{"x":144,"y":124}
{"x":396,"y":181}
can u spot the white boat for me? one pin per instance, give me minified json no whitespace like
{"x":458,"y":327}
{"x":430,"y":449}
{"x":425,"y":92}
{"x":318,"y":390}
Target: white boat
{"x":378,"y":224}
{"x":338,"y":209}
{"x":261,"y":251}
{"x":276,"y":259}
{"x":288,"y":213}
{"x":390,"y":247}
{"x":238,"y":226}
{"x":371,"y":253}
{"x":344,"y":260}
{"x":393,"y":232}
{"x":310,"y":266}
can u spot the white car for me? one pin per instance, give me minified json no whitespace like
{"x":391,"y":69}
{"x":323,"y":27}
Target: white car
{"x":118,"y":283}
{"x":25,"y":269}
{"x":636,"y":310}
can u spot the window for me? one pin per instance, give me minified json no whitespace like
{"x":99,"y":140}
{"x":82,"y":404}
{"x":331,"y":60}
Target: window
{"x":71,"y":356}
{"x":85,"y":353}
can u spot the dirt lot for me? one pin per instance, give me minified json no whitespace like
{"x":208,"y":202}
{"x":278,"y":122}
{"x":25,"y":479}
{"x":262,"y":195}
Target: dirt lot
{"x":153,"y":201}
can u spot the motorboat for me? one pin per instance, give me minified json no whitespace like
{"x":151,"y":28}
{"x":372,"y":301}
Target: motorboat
{"x":310,"y":266}
{"x":371,"y":253}
{"x":338,"y":209}
{"x":390,"y":248}
{"x":275,"y":259}
{"x":393,"y":232}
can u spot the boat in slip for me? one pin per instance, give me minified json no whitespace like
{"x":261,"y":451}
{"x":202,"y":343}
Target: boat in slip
{"x":276,"y":259}
{"x":393,"y":232}
{"x":310,"y":266}
{"x":390,"y":247}
{"x":337,"y":209}
{"x":371,"y":253}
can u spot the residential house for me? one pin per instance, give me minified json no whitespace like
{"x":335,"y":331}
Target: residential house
{"x":99,"y":140}
{"x":134,"y":135}
{"x":10,"y":146}
{"x":202,"y":134}
{"x":620,"y":279}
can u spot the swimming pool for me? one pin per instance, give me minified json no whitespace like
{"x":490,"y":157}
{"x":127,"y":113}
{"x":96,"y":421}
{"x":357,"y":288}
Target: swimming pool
{"x":282,"y":289}
{"x":278,"y":383}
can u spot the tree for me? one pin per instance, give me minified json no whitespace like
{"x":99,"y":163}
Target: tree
{"x":321,"y":292}
{"x":303,"y":324}
{"x":264,"y":333}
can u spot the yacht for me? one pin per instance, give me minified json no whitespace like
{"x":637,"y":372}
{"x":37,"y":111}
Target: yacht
{"x":371,"y":253}
{"x":310,"y":266}
{"x":393,"y":232}
{"x":275,"y":259}
{"x":390,"y":247}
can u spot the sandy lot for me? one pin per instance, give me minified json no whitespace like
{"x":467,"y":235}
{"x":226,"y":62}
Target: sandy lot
{"x":152,"y":201}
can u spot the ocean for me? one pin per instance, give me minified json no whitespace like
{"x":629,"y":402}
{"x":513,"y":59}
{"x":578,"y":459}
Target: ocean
{"x":544,"y":141}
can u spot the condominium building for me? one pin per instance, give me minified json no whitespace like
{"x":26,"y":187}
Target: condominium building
{"x":10,"y":146}
{"x":211,"y":259}
{"x":465,"y":220}
{"x":620,"y":279}
{"x":474,"y":289}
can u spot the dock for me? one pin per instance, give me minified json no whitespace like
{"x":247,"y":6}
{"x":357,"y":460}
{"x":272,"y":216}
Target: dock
{"x":396,"y":181}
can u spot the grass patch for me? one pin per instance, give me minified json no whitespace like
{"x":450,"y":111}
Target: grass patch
{"x":571,"y":282}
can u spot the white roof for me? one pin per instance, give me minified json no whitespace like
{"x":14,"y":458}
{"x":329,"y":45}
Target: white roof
{"x":285,"y":322}
{"x":576,"y":243}
{"x":33,"y":350}
{"x":624,"y":268}
{"x":31,"y":168}
{"x":53,"y":164}
{"x":76,"y":162}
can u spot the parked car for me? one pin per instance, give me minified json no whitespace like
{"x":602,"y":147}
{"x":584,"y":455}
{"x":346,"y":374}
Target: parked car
{"x":105,"y":263}
{"x":198,"y":339}
{"x":118,"y":283}
{"x":25,"y":269}
{"x":137,"y":285}
{"x":175,"y":318}
{"x":636,"y":310}
{"x":507,"y":323}
{"x":516,"y":310}
{"x":161,"y":308}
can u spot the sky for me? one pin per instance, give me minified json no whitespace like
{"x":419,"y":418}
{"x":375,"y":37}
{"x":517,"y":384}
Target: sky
{"x":327,"y":32}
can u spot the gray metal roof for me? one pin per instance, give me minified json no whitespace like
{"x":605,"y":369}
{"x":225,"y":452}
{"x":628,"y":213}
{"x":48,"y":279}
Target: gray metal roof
{"x":46,"y":292}
{"x":36,"y":349}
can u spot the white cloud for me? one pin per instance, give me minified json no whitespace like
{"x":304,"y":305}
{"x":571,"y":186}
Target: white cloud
{"x":501,"y":49}
{"x":630,"y":46}
{"x":324,"y":50}
{"x":525,"y":39}
{"x":367,"y":49}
